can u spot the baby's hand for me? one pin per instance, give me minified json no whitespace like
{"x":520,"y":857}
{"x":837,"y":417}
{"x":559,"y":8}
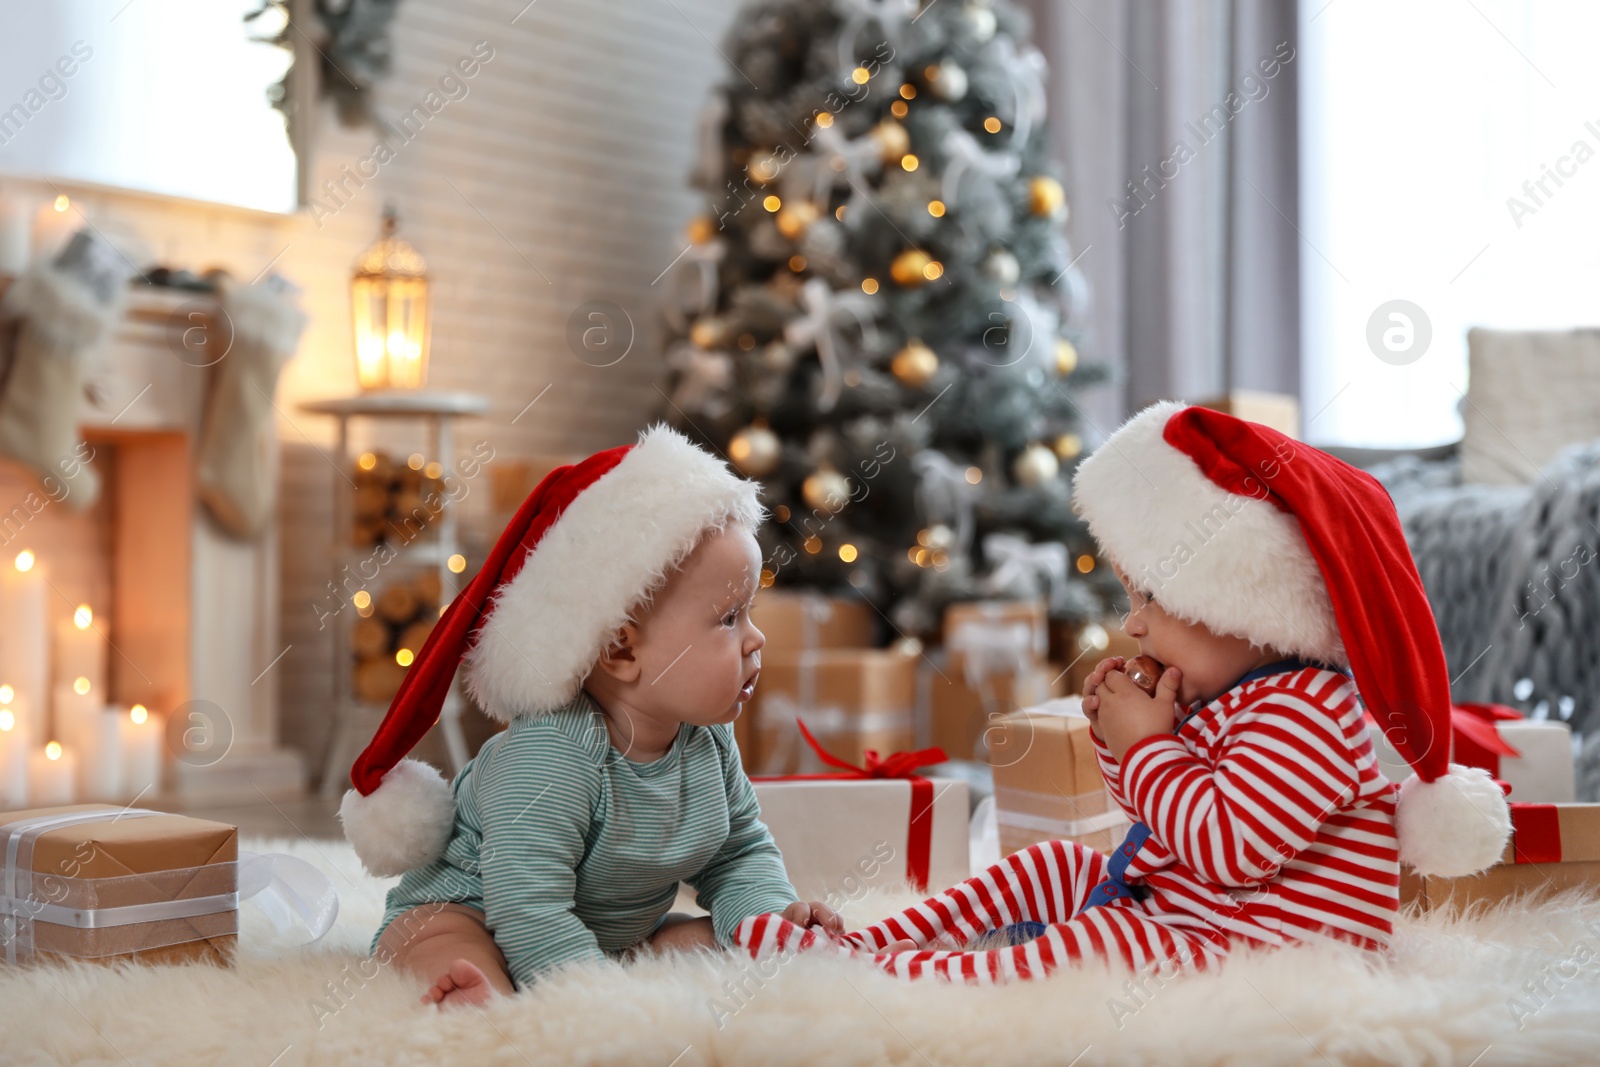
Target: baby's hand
{"x":815,"y":914}
{"x":1091,"y":686}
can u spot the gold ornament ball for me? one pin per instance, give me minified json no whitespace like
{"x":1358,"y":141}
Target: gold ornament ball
{"x":795,"y":217}
{"x":915,"y":365}
{"x":1068,"y":445}
{"x":755,"y":451}
{"x":702,"y":230}
{"x":1046,"y":197}
{"x":1035,"y":465}
{"x":910,"y":267}
{"x":1066,"y":356}
{"x":763,"y":167}
{"x":893,"y":140}
{"x":708,"y":331}
{"x":827,"y":491}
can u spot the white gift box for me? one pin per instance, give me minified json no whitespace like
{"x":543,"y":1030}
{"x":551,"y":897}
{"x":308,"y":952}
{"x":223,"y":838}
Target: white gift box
{"x":1542,"y":774}
{"x":839,"y":835}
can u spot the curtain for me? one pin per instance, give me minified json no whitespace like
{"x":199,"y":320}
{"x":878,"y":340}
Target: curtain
{"x":1176,"y":125}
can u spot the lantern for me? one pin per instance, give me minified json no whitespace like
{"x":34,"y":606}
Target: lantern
{"x":389,"y":309}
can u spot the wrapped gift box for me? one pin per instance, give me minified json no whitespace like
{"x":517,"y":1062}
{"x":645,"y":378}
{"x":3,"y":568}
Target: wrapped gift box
{"x":986,"y":637}
{"x":797,"y":621}
{"x":1542,"y":772}
{"x":100,"y":882}
{"x":1552,"y":847}
{"x":1047,"y":781}
{"x":852,"y":699}
{"x":840,"y":835}
{"x":960,"y":715}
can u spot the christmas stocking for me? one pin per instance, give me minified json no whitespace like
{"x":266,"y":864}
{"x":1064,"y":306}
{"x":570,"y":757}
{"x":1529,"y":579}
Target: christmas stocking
{"x":237,"y":473}
{"x":63,"y":310}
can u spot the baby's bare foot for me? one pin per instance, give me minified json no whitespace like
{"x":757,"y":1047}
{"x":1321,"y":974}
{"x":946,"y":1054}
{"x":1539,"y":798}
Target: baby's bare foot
{"x":462,"y":984}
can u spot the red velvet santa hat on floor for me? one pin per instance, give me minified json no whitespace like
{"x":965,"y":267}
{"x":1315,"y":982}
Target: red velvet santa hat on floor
{"x":1236,"y":526}
{"x":590,"y":544}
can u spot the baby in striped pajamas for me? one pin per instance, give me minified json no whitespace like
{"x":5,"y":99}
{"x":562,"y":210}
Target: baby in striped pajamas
{"x":1268,"y":577}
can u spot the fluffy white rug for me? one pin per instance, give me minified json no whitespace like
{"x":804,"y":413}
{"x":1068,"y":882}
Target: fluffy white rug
{"x":1515,"y":985}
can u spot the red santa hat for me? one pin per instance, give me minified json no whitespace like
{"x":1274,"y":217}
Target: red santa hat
{"x":1245,"y":530}
{"x":590,"y":544}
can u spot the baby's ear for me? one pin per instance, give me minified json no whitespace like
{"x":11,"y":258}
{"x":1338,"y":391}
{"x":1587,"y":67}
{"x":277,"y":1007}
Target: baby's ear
{"x":618,"y":658}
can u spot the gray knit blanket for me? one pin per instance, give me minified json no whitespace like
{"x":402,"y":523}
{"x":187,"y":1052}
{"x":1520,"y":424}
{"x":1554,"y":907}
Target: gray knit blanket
{"x":1513,"y":575}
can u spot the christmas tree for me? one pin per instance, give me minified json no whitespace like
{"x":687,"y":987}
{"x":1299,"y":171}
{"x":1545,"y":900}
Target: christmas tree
{"x":876,"y":316}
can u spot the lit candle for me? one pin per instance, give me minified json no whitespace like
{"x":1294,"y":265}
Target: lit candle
{"x":100,"y":756}
{"x":141,"y":752}
{"x":52,"y":225}
{"x":24,"y":645}
{"x":52,"y":776}
{"x":76,"y":703}
{"x":80,"y":649}
{"x":13,"y":762}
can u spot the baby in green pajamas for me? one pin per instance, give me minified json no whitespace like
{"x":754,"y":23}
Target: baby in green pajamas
{"x":610,"y":629}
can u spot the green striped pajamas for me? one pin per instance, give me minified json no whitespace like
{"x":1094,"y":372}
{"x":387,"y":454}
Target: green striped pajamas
{"x":574,"y":852}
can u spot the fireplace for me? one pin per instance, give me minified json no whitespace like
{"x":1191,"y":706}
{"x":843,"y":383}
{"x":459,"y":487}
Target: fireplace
{"x":190,"y":616}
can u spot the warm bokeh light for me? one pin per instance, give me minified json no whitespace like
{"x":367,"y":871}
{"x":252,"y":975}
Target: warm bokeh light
{"x":974,"y":475}
{"x":404,"y":657}
{"x":362,"y":599}
{"x":82,"y":617}
{"x":7,"y":694}
{"x":847,"y":553}
{"x":416,"y":460}
{"x":24,"y":560}
{"x":7,"y":720}
{"x":367,"y":461}
{"x":80,"y":685}
{"x":138,"y":713}
{"x":52,"y":750}
{"x":457,"y":563}
{"x":62,"y":203}
{"x":936,"y":208}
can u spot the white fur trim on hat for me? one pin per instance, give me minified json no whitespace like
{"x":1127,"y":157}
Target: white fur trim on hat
{"x":406,"y":822}
{"x":611,"y":549}
{"x":1453,"y":826}
{"x":1237,"y":564}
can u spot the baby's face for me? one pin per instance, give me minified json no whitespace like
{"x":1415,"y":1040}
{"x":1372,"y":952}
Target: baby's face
{"x":698,"y":651}
{"x":1210,"y":662}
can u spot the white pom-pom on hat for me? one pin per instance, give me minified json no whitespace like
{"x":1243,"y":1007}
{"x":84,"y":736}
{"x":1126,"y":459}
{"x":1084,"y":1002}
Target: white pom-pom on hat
{"x":406,"y":822}
{"x":1453,"y":826}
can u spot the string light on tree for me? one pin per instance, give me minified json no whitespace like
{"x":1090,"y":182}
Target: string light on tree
{"x":1067,"y":446}
{"x":913,"y":267}
{"x":893,"y":140}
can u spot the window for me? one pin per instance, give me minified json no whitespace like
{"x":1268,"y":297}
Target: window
{"x":1450,"y":158}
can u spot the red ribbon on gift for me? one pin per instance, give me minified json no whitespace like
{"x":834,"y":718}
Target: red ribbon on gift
{"x":919,"y":838}
{"x":1536,"y":833}
{"x":1477,"y":740}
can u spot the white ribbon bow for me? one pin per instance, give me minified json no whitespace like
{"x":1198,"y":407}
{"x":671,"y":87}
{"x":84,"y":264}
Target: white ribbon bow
{"x":992,"y":647}
{"x":1026,"y":71}
{"x":965,"y":153}
{"x":892,"y":16}
{"x":945,"y":495}
{"x":704,"y":378}
{"x":1018,"y":566}
{"x":861,"y":156}
{"x":699,"y":264}
{"x":822,"y":306}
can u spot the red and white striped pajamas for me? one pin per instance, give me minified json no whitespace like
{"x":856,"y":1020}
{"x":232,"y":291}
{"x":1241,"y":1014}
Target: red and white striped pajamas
{"x":1270,"y":824}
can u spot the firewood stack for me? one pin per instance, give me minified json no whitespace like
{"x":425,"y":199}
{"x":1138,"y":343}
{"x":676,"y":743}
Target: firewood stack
{"x":395,"y":501}
{"x":390,"y":632}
